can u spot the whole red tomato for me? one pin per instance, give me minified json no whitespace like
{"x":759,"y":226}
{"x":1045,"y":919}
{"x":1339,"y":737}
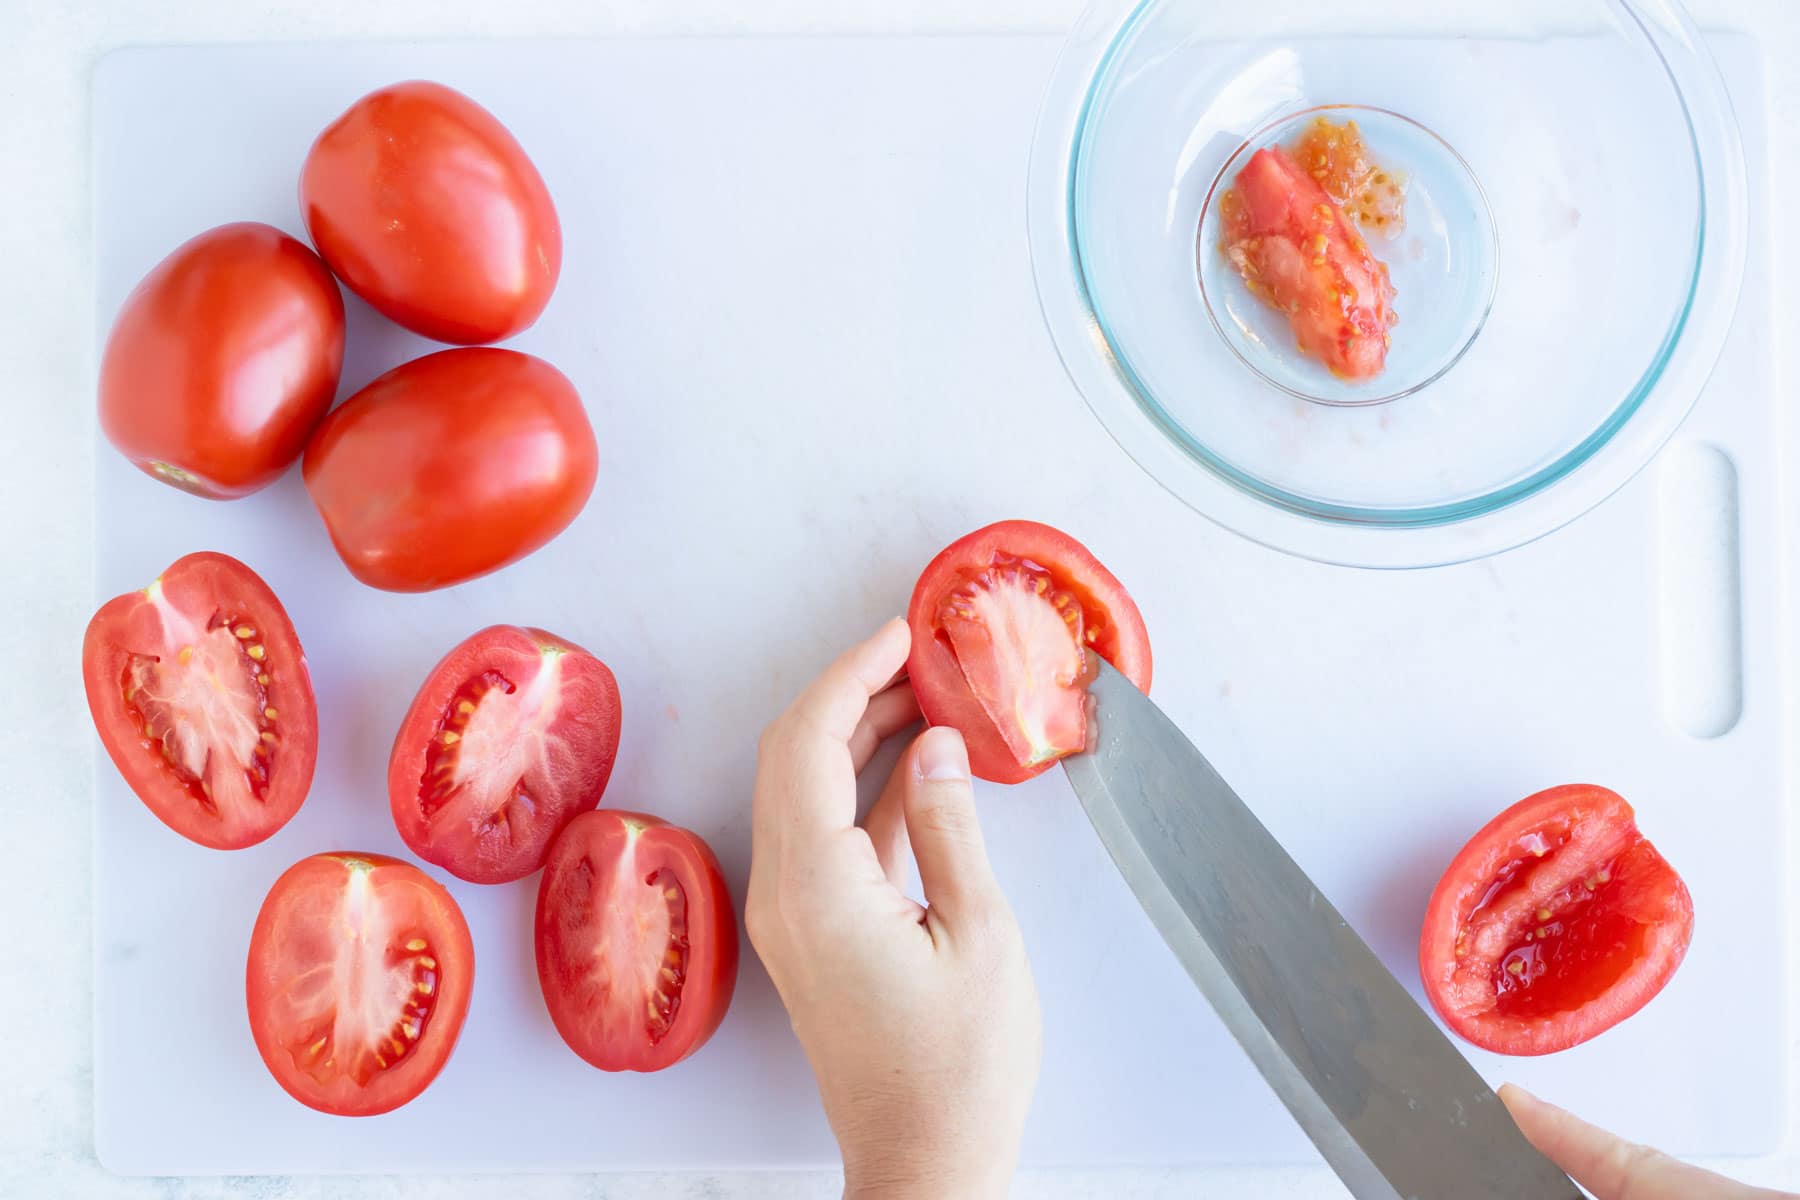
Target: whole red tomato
{"x":222,"y":360}
{"x":451,"y":466}
{"x":428,"y":209}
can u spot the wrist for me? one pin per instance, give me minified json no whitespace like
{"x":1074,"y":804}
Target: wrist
{"x":925,"y":1177}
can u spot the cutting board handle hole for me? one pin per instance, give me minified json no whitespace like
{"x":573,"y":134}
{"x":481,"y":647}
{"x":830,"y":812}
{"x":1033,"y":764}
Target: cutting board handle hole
{"x":1700,"y":617}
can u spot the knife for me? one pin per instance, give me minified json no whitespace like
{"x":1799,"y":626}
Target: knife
{"x":1393,"y":1107}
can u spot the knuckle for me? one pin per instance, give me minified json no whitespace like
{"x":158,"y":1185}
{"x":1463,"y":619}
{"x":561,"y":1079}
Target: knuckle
{"x":947,"y":817}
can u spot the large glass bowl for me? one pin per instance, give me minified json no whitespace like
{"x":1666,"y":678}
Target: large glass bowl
{"x":1573,"y":248}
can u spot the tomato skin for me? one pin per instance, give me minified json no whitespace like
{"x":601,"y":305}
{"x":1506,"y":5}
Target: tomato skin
{"x":157,"y":622}
{"x":222,"y":360}
{"x":426,"y":207}
{"x":451,"y":466}
{"x":565,"y":749}
{"x":302,"y":927}
{"x":1563,"y":878}
{"x":937,"y":677}
{"x":577,"y":886}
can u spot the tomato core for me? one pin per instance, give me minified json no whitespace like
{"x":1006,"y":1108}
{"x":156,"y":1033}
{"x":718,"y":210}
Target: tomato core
{"x":206,"y":707}
{"x":1018,"y":638}
{"x":392,"y":973}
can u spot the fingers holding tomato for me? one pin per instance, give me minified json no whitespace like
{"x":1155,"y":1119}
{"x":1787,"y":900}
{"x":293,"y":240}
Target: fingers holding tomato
{"x":201,"y":695}
{"x":426,"y":207}
{"x":222,"y":360}
{"x":636,"y":938}
{"x":358,"y":980}
{"x":451,"y":466}
{"x":1002,"y":623}
{"x":511,"y":736}
{"x":1554,"y":923}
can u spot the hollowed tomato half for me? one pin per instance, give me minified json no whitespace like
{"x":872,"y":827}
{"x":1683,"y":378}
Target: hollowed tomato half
{"x":1003,"y":621}
{"x":1557,"y":921}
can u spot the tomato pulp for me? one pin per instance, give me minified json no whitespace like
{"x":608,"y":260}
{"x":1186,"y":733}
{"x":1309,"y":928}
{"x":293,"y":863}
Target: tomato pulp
{"x":636,"y":939}
{"x":451,"y":466}
{"x":222,"y":360}
{"x":510,"y":736}
{"x":1299,"y":253}
{"x":201,"y":696}
{"x":426,"y":207}
{"x":358,"y":980}
{"x":1002,"y":623}
{"x":1557,"y":921}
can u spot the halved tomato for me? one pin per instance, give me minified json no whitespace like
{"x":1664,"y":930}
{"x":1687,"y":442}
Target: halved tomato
{"x":358,"y":981}
{"x":512,"y":734}
{"x":1557,"y":921}
{"x":637,"y":946}
{"x":1002,"y":623}
{"x":201,"y":696}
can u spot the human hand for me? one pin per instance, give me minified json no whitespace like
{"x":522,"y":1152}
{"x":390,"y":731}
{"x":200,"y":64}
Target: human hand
{"x":1612,"y":1168}
{"x":921,"y":1024}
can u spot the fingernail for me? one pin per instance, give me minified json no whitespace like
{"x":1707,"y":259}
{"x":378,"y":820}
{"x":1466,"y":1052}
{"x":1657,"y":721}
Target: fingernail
{"x":942,"y":755}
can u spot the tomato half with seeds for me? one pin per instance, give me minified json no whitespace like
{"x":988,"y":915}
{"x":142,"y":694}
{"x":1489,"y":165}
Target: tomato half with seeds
{"x":358,"y":981}
{"x":451,"y":466}
{"x":200,"y":692}
{"x":1557,"y":921}
{"x":1003,"y":621}
{"x":512,"y":734}
{"x":637,"y":947}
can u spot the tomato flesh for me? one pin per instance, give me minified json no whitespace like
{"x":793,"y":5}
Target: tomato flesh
{"x":513,"y":733}
{"x":1299,"y":253}
{"x":1556,"y":922}
{"x":1005,"y":623}
{"x":636,"y":941}
{"x":359,"y":976}
{"x":200,"y":693}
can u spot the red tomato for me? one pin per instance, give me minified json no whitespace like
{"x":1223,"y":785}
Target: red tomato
{"x":358,"y":981}
{"x":201,"y":695}
{"x":511,"y":736}
{"x":1556,"y":922}
{"x":1002,"y":621}
{"x":636,"y":941}
{"x":451,"y":466}
{"x":428,"y":209}
{"x":1298,"y":252}
{"x":222,"y":360}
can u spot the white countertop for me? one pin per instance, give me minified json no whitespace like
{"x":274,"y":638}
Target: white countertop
{"x":46,"y":597}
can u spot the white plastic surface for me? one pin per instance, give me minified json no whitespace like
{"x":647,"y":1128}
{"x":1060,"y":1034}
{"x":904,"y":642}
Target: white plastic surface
{"x":797,"y":299}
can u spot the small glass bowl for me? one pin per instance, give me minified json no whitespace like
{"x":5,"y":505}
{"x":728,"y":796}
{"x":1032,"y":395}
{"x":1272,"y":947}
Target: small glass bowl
{"x":1585,"y":166}
{"x":1444,"y":259}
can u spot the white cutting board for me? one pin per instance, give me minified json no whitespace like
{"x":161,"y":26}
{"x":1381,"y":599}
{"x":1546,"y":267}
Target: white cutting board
{"x":798,"y":302}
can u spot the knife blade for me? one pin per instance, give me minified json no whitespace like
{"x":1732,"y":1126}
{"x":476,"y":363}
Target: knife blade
{"x":1392,"y":1106}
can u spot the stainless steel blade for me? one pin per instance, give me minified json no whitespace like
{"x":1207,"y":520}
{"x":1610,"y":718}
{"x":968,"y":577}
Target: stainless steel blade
{"x":1394,"y":1108}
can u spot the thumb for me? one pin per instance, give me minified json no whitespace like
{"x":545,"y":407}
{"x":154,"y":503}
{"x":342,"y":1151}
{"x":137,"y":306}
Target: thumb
{"x":939,"y":801}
